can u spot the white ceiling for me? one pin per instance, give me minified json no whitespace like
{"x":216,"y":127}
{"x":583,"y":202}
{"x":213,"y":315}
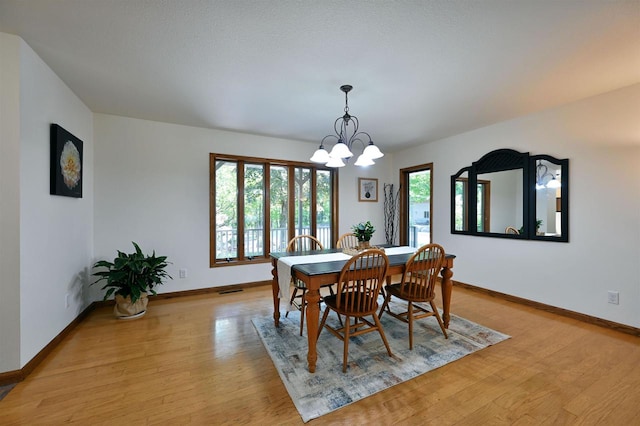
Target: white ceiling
{"x":421,"y":70}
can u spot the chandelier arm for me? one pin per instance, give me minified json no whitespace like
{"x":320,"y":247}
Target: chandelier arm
{"x":328,"y":136}
{"x":356,"y":125}
{"x":365,"y":133}
{"x":340,"y":133}
{"x":541,"y":171}
{"x":344,"y":129}
{"x":357,"y":139}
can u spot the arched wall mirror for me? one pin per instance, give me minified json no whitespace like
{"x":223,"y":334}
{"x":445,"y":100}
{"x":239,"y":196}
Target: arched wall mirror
{"x":509,"y":194}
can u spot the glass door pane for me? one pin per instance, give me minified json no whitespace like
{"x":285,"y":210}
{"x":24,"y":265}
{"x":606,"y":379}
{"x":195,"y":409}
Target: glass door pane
{"x":323,"y":207}
{"x":419,"y":207}
{"x":279,"y":208}
{"x":253,"y":210}
{"x":226,"y":209}
{"x":302,"y":200}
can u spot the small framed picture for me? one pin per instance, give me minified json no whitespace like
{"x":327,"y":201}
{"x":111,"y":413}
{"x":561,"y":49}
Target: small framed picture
{"x":367,"y":189}
{"x":66,"y":163}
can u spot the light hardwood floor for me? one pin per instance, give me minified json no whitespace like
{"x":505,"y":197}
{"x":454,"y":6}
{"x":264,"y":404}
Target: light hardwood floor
{"x":198,"y":360}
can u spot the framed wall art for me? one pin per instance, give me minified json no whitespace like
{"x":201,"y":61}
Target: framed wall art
{"x":367,"y":189}
{"x":66,"y":163}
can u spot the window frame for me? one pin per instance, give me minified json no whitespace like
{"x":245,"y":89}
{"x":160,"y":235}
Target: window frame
{"x":266,"y":163}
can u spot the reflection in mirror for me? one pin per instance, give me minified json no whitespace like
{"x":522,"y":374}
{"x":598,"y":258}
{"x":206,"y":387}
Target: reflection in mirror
{"x":499,"y":201}
{"x":548,"y":200}
{"x":460,"y":196}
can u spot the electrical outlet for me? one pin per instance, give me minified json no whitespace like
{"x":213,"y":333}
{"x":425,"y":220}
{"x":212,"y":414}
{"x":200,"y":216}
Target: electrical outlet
{"x":183,"y":273}
{"x":613,"y":297}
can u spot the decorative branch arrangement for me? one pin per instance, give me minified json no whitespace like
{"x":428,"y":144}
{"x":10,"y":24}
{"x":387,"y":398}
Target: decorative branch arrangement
{"x":391,"y":206}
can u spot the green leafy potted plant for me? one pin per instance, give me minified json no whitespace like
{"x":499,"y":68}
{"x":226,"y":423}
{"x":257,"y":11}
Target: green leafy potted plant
{"x":131,"y":277}
{"x":538,"y":225}
{"x":363,"y":232}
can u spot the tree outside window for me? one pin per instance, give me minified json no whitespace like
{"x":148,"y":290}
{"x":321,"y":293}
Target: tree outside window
{"x":253,"y":206}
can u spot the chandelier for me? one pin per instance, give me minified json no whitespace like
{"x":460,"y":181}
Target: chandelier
{"x":542,"y":173}
{"x":346,"y":135}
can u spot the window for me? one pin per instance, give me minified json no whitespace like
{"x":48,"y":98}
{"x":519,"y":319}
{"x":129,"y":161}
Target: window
{"x":258,"y":205}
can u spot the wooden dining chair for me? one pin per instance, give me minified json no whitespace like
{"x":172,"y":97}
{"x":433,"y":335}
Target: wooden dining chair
{"x":417,"y":286}
{"x":304,"y":243}
{"x":298,"y":300}
{"x":511,"y":230}
{"x":348,"y":240}
{"x":357,"y":297}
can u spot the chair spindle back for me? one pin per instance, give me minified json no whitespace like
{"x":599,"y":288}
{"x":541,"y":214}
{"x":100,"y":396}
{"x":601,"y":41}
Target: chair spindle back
{"x":361,"y":280}
{"x":304,"y":243}
{"x":421,"y":272}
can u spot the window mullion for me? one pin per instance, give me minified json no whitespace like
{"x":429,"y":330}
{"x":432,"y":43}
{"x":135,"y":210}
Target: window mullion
{"x":313,"y":219}
{"x":240,"y":219}
{"x":292,"y":202}
{"x":266,"y":238}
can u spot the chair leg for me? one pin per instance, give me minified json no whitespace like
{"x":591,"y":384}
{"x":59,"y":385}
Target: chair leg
{"x":303,"y":309}
{"x":337,"y":314}
{"x":381,"y":331}
{"x":293,"y":297}
{"x":410,"y":318}
{"x":437,"y":314}
{"x":324,"y":319}
{"x":384,"y":305}
{"x":346,"y":344}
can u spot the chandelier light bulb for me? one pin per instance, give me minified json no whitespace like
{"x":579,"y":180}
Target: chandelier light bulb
{"x":320,"y":156}
{"x":554,"y":183}
{"x":372,"y":151}
{"x":364,"y":161}
{"x":335,"y":162}
{"x":341,"y":150}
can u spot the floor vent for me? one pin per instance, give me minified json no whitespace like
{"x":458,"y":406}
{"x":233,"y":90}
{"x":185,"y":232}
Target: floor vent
{"x":230,"y":291}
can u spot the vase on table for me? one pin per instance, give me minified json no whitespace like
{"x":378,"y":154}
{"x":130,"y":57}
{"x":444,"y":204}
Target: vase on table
{"x":363,"y":245}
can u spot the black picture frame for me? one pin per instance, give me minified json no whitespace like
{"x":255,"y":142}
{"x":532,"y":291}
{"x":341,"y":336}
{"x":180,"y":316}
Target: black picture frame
{"x":66,"y":163}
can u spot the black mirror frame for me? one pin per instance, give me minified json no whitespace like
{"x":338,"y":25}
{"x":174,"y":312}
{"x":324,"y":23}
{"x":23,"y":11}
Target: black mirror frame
{"x":504,"y":160}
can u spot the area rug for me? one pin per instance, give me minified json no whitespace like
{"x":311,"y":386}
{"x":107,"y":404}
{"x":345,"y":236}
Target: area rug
{"x":4,"y":390}
{"x":370,"y":369}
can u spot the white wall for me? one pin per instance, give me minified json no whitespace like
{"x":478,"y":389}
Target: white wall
{"x":56,"y":233}
{"x":9,"y":202}
{"x":352,"y":211}
{"x":152,"y":187}
{"x":601,"y":138}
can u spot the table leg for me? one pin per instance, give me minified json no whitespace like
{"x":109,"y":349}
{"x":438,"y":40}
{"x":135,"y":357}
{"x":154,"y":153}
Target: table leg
{"x":275,"y":288}
{"x":312,"y":315}
{"x":446,"y":285}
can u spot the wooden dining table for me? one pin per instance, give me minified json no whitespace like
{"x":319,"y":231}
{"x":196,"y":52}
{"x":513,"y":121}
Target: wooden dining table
{"x":321,"y":272}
